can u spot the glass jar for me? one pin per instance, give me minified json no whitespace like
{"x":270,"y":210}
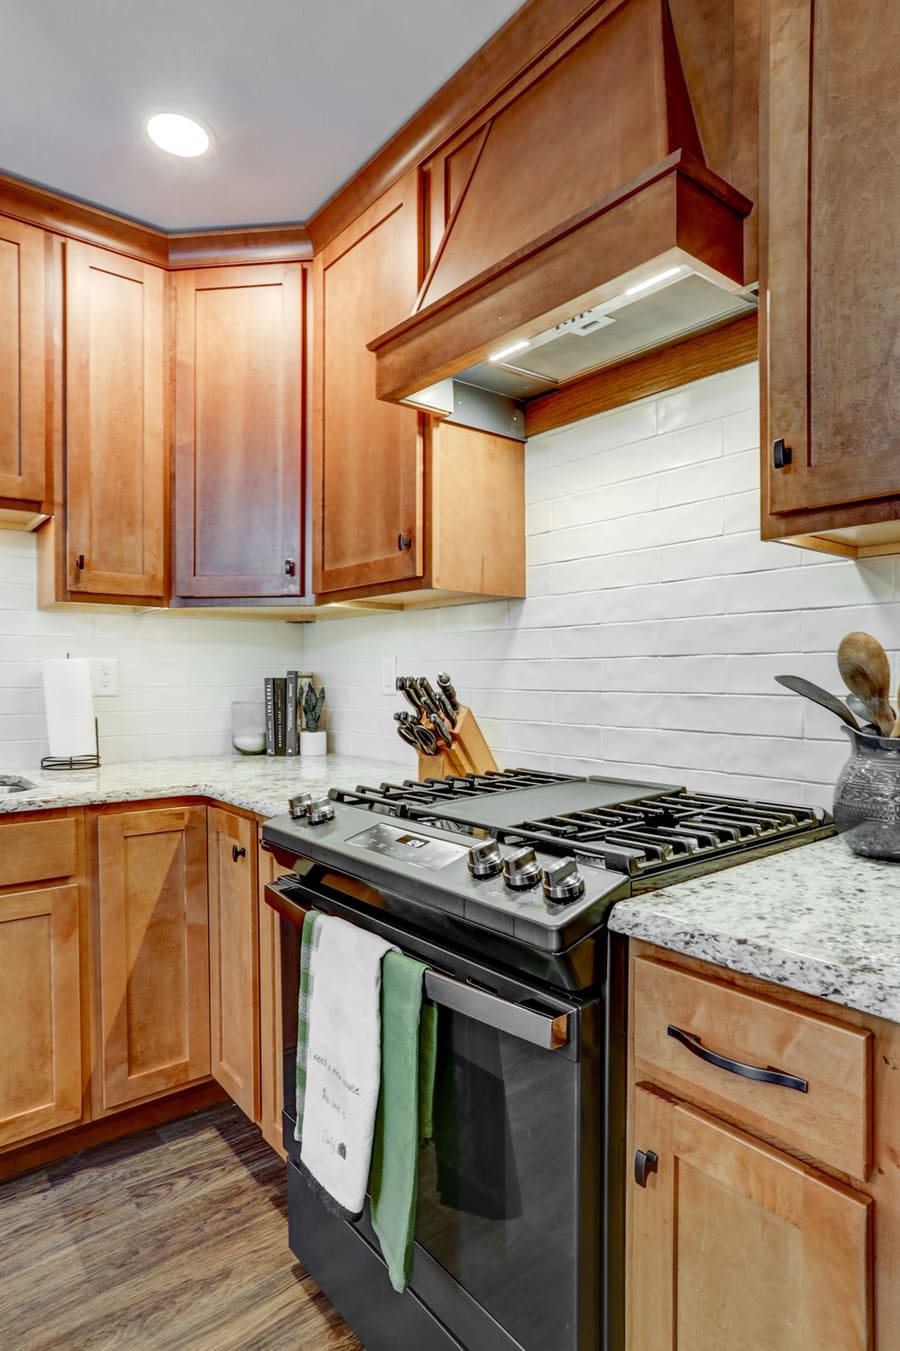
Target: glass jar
{"x":867,"y":795}
{"x":248,"y":727}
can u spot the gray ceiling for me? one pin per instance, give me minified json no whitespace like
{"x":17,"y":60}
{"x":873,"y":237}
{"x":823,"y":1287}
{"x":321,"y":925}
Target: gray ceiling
{"x":298,"y":95}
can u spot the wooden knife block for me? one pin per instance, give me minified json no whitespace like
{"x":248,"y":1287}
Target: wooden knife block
{"x":470,"y":753}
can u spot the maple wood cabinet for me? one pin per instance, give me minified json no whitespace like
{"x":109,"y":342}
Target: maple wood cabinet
{"x":271,"y":1013}
{"x":239,"y":485}
{"x":367,"y":478}
{"x":24,"y":337}
{"x":761,"y":1213}
{"x":42,"y":1065}
{"x":830,"y":318}
{"x":405,"y":508}
{"x":116,"y":440}
{"x":151,"y":987}
{"x":234,"y":989}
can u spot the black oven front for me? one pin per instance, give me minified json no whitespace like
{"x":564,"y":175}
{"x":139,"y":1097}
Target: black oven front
{"x":513,"y":1202}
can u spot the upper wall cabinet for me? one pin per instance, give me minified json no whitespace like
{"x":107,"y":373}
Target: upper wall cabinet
{"x":238,"y":431}
{"x":23,"y":388}
{"x":116,"y":441}
{"x":367,"y":454}
{"x":831,"y":298}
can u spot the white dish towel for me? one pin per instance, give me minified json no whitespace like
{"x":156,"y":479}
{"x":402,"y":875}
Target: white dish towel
{"x":343,"y":1063}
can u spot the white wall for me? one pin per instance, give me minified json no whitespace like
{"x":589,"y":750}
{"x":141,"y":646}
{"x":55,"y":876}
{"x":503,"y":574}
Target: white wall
{"x":656,"y":617}
{"x":177,"y":675}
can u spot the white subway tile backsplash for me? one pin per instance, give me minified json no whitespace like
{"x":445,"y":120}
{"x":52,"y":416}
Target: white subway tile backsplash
{"x":178,"y":675}
{"x":656,"y":619}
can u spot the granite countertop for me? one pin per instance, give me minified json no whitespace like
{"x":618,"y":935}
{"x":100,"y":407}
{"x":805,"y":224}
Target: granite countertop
{"x":258,"y":784}
{"x":816,"y":918}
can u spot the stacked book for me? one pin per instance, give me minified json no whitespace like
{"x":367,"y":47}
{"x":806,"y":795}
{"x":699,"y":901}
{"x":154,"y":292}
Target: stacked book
{"x":284,"y":712}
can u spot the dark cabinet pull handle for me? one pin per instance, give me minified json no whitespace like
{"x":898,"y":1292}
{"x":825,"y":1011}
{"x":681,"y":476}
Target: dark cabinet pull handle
{"x":769,"y":1075}
{"x":781,"y":454}
{"x":290,"y":567}
{"x":644,"y":1165}
{"x":237,"y":853}
{"x":79,"y":562}
{"x":404,"y":541}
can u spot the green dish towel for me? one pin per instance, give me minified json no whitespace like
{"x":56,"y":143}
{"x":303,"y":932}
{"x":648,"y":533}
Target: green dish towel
{"x":404,"y":1119}
{"x":307,"y":943}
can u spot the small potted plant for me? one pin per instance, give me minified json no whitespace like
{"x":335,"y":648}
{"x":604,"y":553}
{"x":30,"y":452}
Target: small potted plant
{"x":312,"y":741}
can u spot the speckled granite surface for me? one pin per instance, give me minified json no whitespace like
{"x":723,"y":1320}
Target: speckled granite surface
{"x":816,"y":918}
{"x":255,"y":783}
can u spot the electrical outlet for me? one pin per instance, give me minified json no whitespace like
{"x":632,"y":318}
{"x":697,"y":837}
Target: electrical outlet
{"x":104,"y":676}
{"x":388,"y":675}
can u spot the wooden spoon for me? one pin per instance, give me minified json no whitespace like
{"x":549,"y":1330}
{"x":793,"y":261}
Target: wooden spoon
{"x":819,"y":696}
{"x":866,"y":672}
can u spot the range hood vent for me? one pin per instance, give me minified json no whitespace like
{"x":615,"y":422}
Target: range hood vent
{"x":576,"y":226}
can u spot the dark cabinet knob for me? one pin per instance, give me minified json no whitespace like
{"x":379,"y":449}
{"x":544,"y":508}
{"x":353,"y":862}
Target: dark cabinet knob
{"x":404,"y":541}
{"x":644,"y":1165}
{"x":290,"y":567}
{"x":79,"y":562}
{"x":781,"y":454}
{"x":238,"y":852}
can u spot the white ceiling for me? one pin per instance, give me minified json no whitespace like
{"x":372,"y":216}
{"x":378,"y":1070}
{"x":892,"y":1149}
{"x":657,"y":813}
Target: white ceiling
{"x":298,"y":95}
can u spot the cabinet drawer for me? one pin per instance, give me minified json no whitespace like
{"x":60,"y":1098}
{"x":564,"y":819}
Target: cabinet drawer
{"x":37,"y":851}
{"x":706,"y":1040}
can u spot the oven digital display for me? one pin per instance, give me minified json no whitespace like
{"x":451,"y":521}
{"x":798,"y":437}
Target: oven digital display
{"x":420,"y":851}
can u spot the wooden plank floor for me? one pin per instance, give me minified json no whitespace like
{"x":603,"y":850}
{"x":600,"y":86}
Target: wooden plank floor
{"x":175,"y":1238}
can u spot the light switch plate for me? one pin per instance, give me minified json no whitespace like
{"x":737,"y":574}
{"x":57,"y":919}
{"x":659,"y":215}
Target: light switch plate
{"x":104,"y":676}
{"x":388,"y":675}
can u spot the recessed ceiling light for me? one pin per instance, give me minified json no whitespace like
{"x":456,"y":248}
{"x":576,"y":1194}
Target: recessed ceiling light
{"x":177,"y":134}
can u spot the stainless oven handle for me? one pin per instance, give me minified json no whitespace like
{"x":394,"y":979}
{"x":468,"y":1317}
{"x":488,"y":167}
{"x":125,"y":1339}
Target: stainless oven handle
{"x":541,"y":1029}
{"x":547,"y":1030}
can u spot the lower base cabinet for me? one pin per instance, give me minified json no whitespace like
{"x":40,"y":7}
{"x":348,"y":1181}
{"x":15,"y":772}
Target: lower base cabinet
{"x":40,"y":998}
{"x":151,"y":943}
{"x":233,"y":961}
{"x":271,"y":1066}
{"x":736,"y":1244}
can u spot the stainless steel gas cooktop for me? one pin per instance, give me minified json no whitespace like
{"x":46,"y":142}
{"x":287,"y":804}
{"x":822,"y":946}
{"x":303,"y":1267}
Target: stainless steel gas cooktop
{"x":536,"y":856}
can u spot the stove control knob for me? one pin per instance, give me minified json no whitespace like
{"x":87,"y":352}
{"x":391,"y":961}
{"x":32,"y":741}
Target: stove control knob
{"x":521,"y":870}
{"x":299,"y":806}
{"x":485,"y":859}
{"x":320,"y":811}
{"x":563,"y":882}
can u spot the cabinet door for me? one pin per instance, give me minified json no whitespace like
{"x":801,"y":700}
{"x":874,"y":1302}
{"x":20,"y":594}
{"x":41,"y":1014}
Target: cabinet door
{"x":368,"y":489}
{"x":23,"y":330}
{"x":153,"y":988}
{"x":831,"y":317}
{"x":116,"y":438}
{"x":271,"y":1014}
{"x":238,"y":421}
{"x":40,"y":1052}
{"x":233,"y":958}
{"x":735,"y":1245}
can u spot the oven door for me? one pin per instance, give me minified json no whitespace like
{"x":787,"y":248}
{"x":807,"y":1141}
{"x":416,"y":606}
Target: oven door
{"x":508,"y":1216}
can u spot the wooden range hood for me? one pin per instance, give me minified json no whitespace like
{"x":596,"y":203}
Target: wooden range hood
{"x":583,"y":180}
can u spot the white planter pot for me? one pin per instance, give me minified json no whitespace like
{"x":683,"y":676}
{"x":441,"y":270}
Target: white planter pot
{"x":313,"y":743}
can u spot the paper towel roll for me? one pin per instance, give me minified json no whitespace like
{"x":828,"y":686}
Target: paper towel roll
{"x":69,"y":705}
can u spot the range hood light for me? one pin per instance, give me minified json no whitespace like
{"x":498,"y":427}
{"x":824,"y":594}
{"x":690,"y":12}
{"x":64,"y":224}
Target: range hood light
{"x":508,"y":351}
{"x":653,"y":281}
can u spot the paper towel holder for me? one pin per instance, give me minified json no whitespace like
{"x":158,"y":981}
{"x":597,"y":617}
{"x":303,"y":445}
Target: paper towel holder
{"x":75,"y":761}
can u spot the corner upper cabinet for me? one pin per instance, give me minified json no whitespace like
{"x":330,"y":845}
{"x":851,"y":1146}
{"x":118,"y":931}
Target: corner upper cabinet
{"x":24,"y":331}
{"x":368,"y":456}
{"x":830,"y":330}
{"x":116,"y":439}
{"x":238,"y":431}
